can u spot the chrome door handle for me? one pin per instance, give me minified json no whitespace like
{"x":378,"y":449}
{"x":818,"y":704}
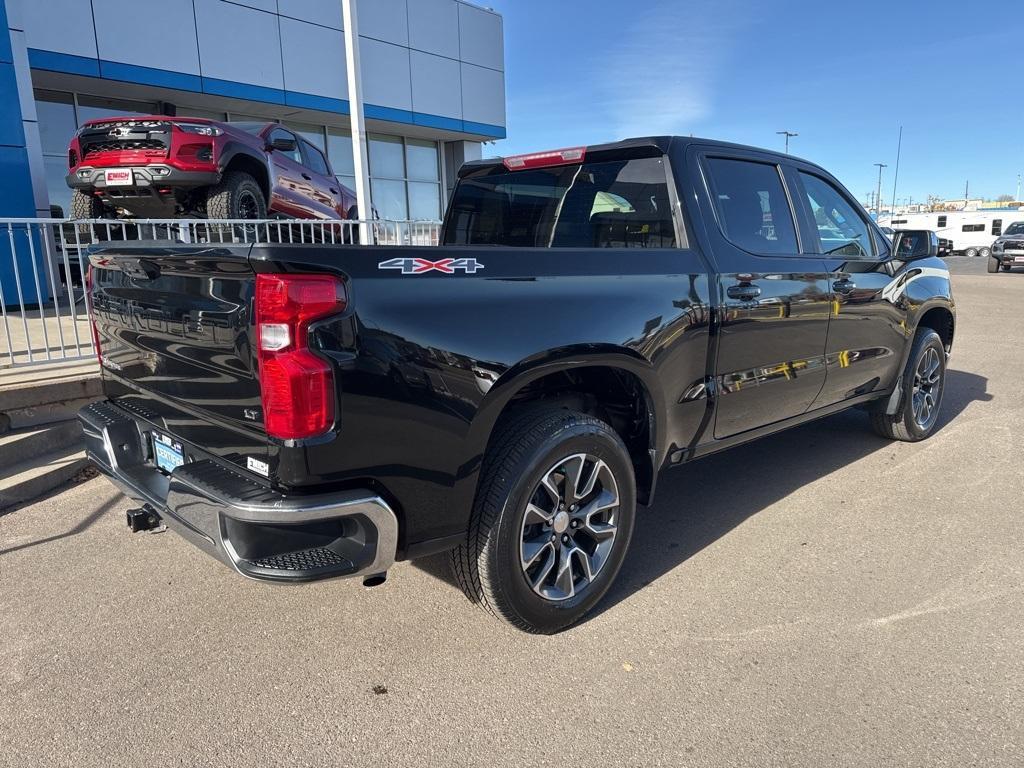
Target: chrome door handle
{"x":844,"y":286}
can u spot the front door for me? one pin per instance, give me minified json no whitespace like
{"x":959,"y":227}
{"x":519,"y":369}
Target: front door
{"x":866,"y":333}
{"x":773,"y":315}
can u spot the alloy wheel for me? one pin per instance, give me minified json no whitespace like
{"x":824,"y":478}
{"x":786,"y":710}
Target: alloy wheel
{"x":569,"y":527}
{"x":927,"y":388}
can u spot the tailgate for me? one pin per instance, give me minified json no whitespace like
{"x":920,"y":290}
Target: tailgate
{"x":174,"y":326}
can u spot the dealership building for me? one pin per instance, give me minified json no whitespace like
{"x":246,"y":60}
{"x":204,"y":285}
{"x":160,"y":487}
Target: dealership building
{"x":432,"y":74}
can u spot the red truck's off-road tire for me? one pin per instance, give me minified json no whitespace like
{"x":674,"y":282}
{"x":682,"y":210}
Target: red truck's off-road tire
{"x":237,"y":196}
{"x":86,"y":206}
{"x":552,"y":520}
{"x":924,"y":381}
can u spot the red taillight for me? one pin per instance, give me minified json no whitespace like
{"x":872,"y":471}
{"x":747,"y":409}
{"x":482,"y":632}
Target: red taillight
{"x":92,"y":313}
{"x":297,"y":386}
{"x":546,"y":159}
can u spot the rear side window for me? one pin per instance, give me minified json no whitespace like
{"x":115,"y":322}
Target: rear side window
{"x":841,"y":230}
{"x":973,"y":228}
{"x":752,"y":207}
{"x":611,"y":204}
{"x":942,"y":222}
{"x":997,"y":227}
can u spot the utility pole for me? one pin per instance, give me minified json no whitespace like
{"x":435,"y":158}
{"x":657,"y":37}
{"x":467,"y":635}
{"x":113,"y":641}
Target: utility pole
{"x":355,"y":100}
{"x":1017,"y":198}
{"x":878,"y":195}
{"x":896,"y":174}
{"x":967,"y":191}
{"x":788,"y":135}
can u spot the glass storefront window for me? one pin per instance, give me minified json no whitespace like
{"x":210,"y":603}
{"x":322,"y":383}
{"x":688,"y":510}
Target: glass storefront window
{"x":314,"y":134}
{"x":387,"y":159}
{"x":56,"y":123}
{"x":339,"y":152}
{"x":57,"y":188}
{"x":389,"y":199}
{"x":422,"y":160}
{"x":94,"y":108}
{"x":197,"y":112}
{"x":424,"y":201}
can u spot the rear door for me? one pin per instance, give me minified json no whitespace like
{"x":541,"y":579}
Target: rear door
{"x":865,"y":333}
{"x":774,"y":296}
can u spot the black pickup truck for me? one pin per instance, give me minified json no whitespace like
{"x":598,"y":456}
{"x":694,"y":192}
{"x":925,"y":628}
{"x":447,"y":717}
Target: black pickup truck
{"x":593,"y":316}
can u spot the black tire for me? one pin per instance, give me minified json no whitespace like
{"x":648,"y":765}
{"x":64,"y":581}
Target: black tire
{"x":1007,"y":267}
{"x":527,"y":449}
{"x":237,"y":196}
{"x":971,"y":253}
{"x":904,"y":424}
{"x":993,"y":264}
{"x":86,"y":206}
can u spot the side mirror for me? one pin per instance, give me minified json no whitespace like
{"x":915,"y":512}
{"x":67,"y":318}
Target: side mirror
{"x":283,"y":145}
{"x":913,"y":244}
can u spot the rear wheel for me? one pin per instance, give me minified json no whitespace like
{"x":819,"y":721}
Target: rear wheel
{"x":971,"y":252}
{"x":993,"y":264}
{"x":552,"y":520}
{"x":923,"y":383}
{"x":237,"y":196}
{"x":985,"y":252}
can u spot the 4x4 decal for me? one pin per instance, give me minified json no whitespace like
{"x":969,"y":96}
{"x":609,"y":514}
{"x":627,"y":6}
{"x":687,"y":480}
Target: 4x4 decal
{"x":411,"y":266}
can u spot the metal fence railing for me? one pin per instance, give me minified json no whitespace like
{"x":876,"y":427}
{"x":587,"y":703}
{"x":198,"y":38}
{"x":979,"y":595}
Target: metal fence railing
{"x":43,"y":303}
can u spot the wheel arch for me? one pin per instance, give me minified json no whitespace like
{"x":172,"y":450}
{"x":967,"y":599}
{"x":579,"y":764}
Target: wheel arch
{"x":940,"y":317}
{"x":237,"y":158}
{"x":615,"y":384}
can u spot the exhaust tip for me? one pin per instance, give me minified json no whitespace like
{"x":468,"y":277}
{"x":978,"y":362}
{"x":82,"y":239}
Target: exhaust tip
{"x":375,"y":579}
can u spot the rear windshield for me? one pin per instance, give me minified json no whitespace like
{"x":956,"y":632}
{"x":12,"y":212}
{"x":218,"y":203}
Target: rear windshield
{"x":615,"y":204}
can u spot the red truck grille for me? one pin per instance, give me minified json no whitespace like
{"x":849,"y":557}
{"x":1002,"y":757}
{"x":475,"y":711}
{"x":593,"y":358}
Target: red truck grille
{"x":123,"y":146}
{"x":144,"y":136}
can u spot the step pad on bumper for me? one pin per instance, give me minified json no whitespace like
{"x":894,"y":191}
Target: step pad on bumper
{"x":261,"y":532}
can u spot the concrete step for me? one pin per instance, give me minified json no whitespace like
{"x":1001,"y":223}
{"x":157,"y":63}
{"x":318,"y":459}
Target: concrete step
{"x":30,"y":479}
{"x":21,"y":445}
{"x":32,"y":397}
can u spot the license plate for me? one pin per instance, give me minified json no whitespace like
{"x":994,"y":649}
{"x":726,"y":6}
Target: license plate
{"x":119,"y":177}
{"x":167,"y":452}
{"x":1018,"y":259}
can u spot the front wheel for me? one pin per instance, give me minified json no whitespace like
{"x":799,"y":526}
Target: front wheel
{"x":993,"y":264}
{"x":985,"y":252}
{"x":923,"y":382}
{"x":971,"y":252}
{"x":552,"y":520}
{"x":237,"y":196}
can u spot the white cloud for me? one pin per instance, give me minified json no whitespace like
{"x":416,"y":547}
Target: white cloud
{"x":661,"y":75}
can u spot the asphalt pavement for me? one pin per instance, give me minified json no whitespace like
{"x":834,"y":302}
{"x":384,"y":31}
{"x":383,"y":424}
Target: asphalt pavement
{"x":820,"y":598}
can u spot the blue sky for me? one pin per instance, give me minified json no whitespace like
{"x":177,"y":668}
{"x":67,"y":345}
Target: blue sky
{"x":845,"y":75}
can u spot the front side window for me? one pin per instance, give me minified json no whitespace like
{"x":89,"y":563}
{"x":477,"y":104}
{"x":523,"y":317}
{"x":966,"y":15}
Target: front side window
{"x":314,"y":159}
{"x":841,"y":230}
{"x":609,"y":204}
{"x":752,"y":207}
{"x":280,"y":133}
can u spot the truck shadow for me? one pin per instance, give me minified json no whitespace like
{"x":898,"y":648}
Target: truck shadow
{"x":699,"y":503}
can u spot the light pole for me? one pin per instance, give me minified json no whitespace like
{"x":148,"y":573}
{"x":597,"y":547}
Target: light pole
{"x":878,"y":195}
{"x":355,"y":98}
{"x":788,"y":135}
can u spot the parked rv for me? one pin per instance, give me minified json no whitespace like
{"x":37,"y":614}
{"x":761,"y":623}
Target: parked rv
{"x":971,"y":232}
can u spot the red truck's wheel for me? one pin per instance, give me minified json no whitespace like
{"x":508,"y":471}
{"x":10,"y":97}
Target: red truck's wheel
{"x":552,"y":520}
{"x":238,"y":196}
{"x":86,"y":206}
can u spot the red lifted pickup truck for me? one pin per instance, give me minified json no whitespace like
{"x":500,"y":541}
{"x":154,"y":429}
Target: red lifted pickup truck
{"x":162,"y":167}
